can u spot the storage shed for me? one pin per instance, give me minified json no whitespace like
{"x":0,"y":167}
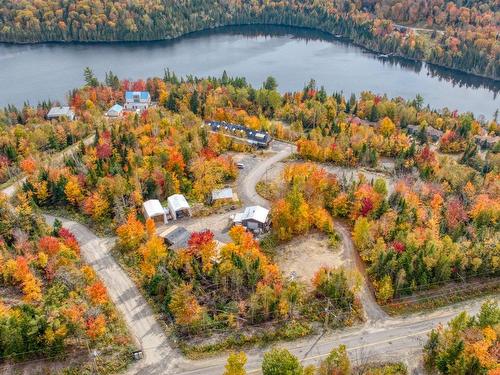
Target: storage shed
{"x":178,"y":206}
{"x":176,"y":237}
{"x":152,"y":209}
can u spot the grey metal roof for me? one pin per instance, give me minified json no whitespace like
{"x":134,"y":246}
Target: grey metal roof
{"x":226,"y":193}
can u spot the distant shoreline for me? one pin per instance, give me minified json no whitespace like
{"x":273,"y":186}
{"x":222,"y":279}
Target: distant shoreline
{"x":225,"y":28}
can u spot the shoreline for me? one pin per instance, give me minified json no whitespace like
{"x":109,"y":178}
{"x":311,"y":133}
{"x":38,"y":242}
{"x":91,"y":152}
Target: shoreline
{"x":328,"y":34}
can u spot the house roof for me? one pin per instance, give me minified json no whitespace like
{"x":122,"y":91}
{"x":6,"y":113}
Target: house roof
{"x":257,"y":213}
{"x":253,"y":135}
{"x":178,"y":202}
{"x":143,"y":95}
{"x":176,"y":237}
{"x":60,"y":111}
{"x":116,"y":108}
{"x":226,"y":193}
{"x":153,"y":208}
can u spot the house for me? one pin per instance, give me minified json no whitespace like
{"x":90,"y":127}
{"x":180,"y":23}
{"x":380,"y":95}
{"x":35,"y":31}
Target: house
{"x":57,"y":113}
{"x":486,"y":141}
{"x":257,"y":138}
{"x":152,"y":209}
{"x":433,"y":133}
{"x":176,"y":237}
{"x":254,"y":218}
{"x":223,"y":195}
{"x":178,"y":206}
{"x":430,"y":132}
{"x":115,"y":111}
{"x":137,"y":101}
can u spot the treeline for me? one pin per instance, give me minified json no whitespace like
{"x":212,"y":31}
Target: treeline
{"x":469,"y":44}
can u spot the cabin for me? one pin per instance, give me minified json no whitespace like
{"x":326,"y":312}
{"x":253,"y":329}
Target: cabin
{"x":254,"y":218}
{"x":176,"y":237}
{"x":153,"y":209}
{"x":225,"y":195}
{"x":178,"y":206}
{"x":58,"y":113}
{"x":115,"y":111}
{"x":137,"y":101}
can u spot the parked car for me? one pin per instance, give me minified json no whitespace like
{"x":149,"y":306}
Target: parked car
{"x":240,"y":165}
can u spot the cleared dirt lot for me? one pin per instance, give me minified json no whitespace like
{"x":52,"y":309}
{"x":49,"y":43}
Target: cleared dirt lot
{"x":304,"y":255}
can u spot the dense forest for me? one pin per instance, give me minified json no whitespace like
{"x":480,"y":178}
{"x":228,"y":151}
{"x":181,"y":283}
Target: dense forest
{"x":461,"y":35}
{"x":52,"y":303}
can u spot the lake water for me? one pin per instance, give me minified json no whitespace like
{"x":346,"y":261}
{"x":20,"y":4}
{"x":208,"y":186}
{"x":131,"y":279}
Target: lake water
{"x":292,"y":55}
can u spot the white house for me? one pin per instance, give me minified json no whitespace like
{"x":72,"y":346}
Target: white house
{"x":61,"y":112}
{"x":137,"y":100}
{"x":115,"y":111}
{"x":152,"y":209}
{"x":253,"y":218}
{"x":178,"y":206}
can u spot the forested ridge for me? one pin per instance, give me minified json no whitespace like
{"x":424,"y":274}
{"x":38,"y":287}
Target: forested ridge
{"x":462,"y":35}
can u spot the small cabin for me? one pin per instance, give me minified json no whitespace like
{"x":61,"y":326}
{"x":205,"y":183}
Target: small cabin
{"x":58,"y":113}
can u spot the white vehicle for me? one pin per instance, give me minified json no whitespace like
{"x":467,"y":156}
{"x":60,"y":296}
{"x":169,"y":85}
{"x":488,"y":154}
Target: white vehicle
{"x":240,"y":165}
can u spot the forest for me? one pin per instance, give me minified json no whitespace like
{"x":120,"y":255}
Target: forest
{"x":458,"y":35}
{"x":435,"y":222}
{"x":53,"y":305}
{"x":467,"y":345}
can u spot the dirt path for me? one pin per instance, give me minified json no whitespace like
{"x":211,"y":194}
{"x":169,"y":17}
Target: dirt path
{"x":373,"y":312}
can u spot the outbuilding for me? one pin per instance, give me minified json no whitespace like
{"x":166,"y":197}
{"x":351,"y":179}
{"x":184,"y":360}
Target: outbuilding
{"x":58,"y":113}
{"x":115,"y":111}
{"x":254,"y":218}
{"x":178,"y":206}
{"x":223,"y":195}
{"x":176,"y":237}
{"x":152,"y":209}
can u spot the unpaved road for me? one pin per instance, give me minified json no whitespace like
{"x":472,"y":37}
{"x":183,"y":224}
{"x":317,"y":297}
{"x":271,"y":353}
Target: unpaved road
{"x":158,"y":355}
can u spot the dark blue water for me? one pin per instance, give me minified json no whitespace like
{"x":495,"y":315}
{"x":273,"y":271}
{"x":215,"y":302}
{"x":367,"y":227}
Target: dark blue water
{"x":38,"y":72}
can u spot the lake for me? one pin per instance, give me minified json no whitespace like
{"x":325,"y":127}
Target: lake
{"x":292,"y":55}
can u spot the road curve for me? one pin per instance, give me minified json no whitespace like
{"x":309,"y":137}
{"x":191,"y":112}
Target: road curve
{"x":246,"y":188}
{"x":140,"y":319}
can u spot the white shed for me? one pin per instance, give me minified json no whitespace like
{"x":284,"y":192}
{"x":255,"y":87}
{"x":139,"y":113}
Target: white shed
{"x":152,"y":209}
{"x":178,"y":206}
